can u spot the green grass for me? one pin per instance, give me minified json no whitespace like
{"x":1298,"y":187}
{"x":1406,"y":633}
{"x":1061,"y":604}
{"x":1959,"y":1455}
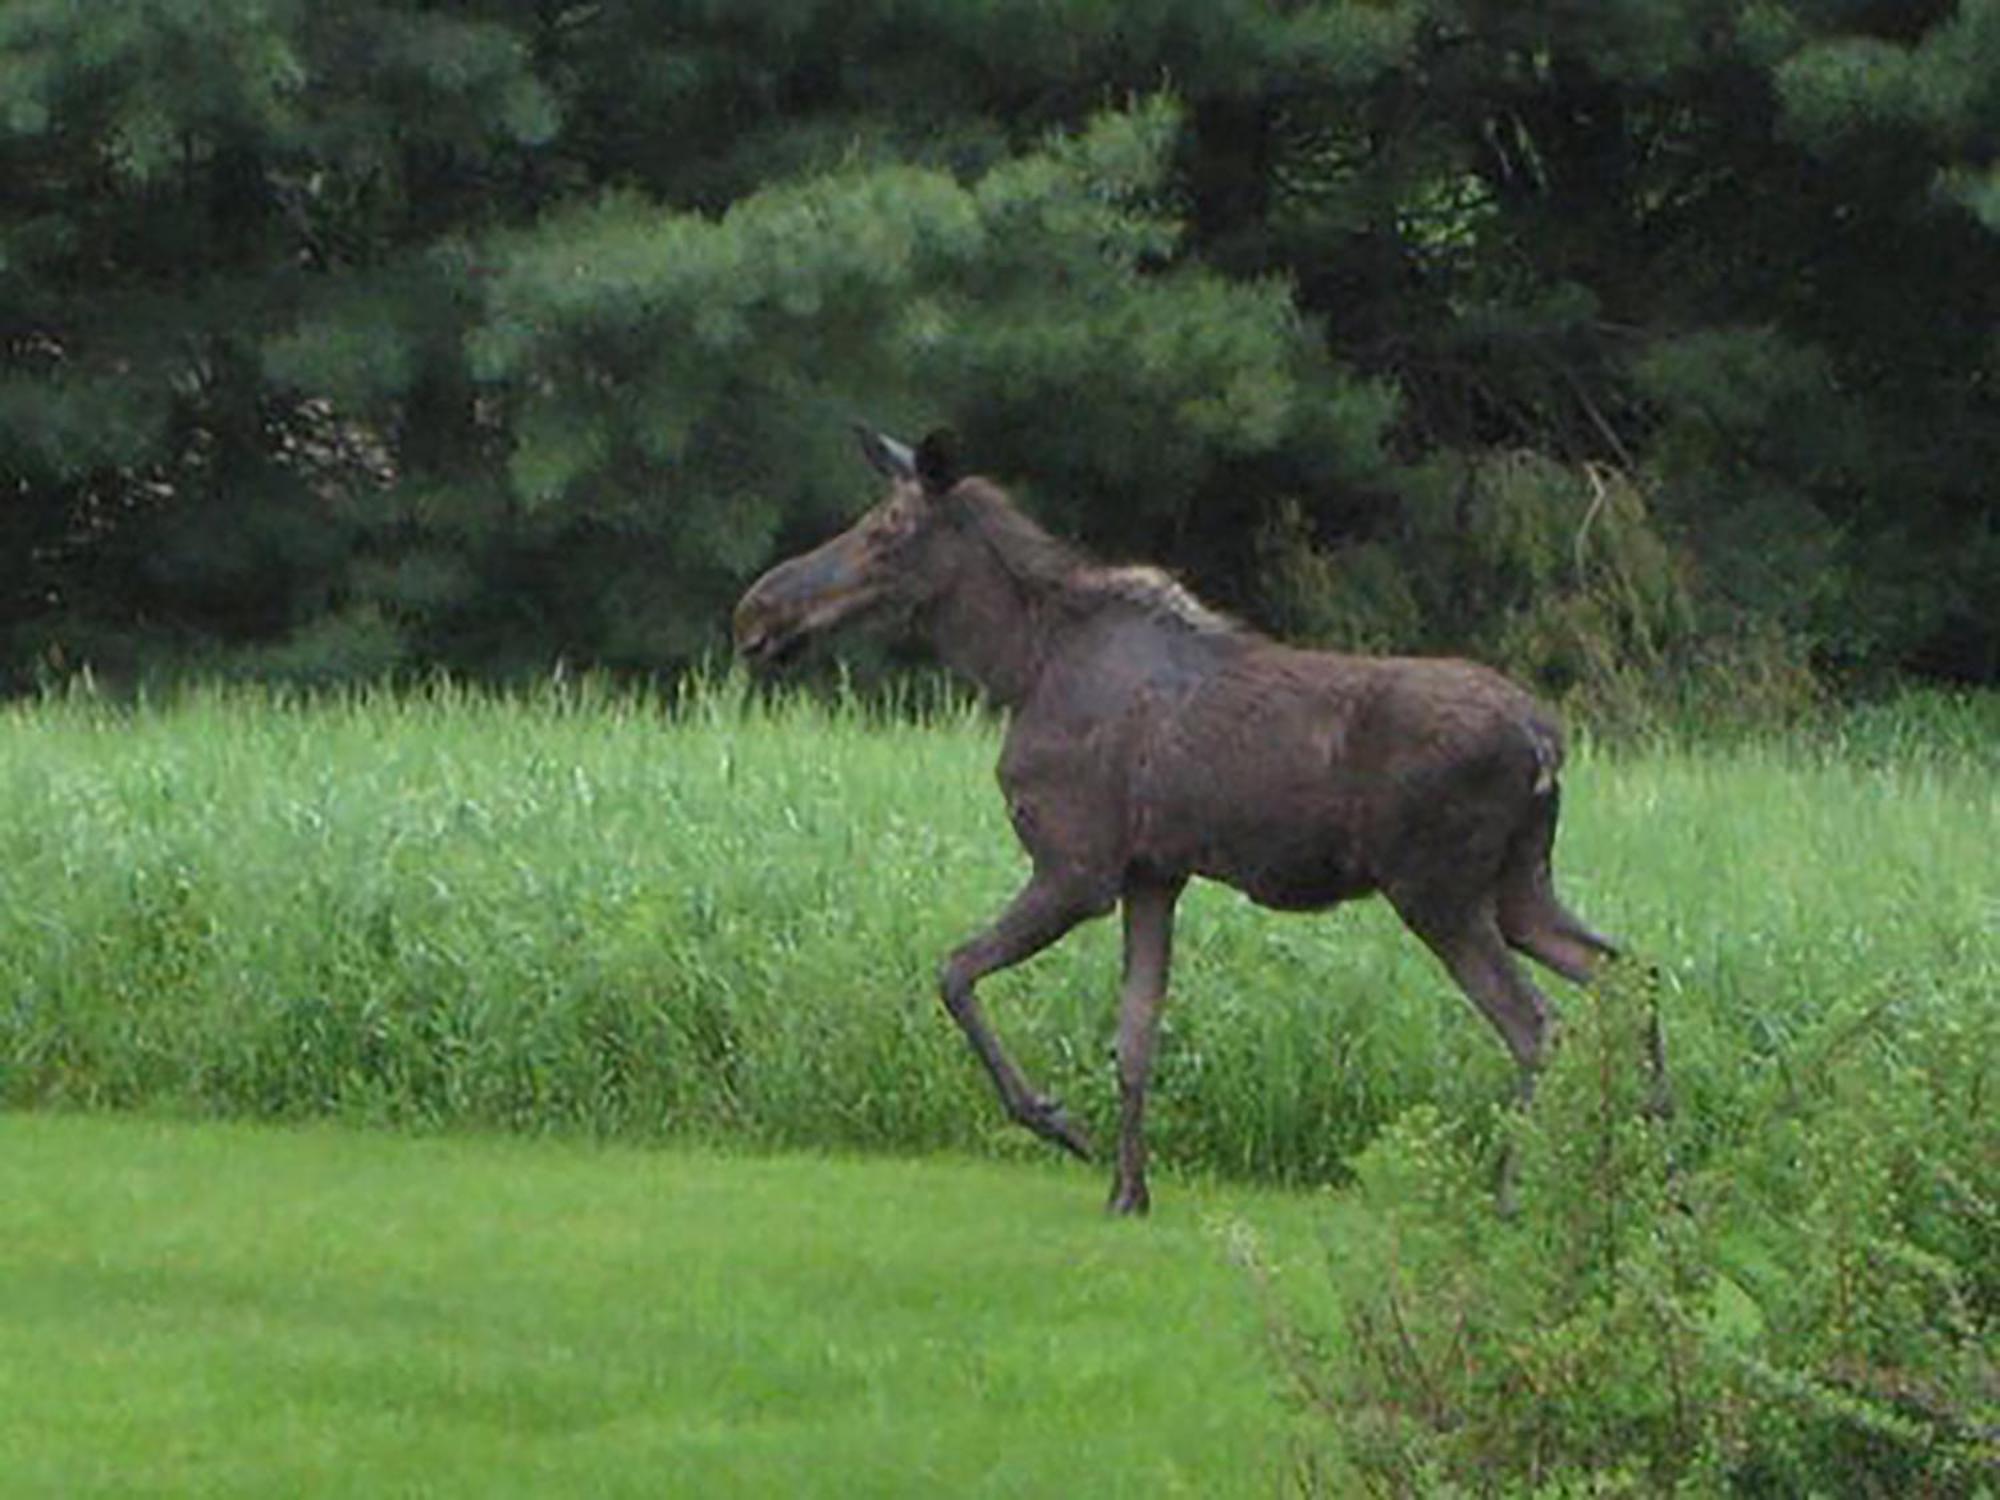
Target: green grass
{"x":720,"y":920}
{"x":715,"y":922}
{"x":230,"y":1310}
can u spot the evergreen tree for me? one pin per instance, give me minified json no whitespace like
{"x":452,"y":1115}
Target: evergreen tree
{"x":336,"y":337}
{"x":182,"y":186}
{"x":1743,"y":254}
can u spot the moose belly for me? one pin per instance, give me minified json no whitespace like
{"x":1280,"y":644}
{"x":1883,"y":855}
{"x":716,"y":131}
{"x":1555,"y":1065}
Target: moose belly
{"x":1290,"y":869}
{"x":1302,"y":889}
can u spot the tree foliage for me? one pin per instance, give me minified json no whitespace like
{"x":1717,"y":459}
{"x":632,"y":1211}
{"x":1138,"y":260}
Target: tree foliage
{"x":345,"y":338}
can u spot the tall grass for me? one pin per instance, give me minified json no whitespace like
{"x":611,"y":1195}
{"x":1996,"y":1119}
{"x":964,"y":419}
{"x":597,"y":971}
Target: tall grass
{"x":719,"y":916}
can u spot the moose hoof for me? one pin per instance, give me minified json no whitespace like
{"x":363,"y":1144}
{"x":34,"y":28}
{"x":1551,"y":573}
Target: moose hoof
{"x":1129,"y":1198}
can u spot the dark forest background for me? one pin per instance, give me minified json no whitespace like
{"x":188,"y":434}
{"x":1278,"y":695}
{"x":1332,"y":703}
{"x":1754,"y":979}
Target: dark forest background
{"x":1628,"y":343}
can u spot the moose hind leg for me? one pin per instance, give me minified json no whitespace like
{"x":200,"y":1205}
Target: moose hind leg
{"x":1549,"y":935}
{"x":1469,"y":943}
{"x":1532,"y":917}
{"x":1535,"y":922}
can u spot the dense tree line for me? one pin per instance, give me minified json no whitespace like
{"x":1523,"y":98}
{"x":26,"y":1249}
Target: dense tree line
{"x":351,"y":337}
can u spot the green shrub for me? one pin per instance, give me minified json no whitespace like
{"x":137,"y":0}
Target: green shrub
{"x":1810,"y":1311}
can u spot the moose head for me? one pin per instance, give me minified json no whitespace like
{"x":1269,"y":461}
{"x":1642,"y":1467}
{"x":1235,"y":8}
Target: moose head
{"x":886,"y":563}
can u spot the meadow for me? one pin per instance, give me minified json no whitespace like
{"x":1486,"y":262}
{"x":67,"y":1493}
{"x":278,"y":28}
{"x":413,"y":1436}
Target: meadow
{"x":718,"y":919}
{"x":709,"y":925}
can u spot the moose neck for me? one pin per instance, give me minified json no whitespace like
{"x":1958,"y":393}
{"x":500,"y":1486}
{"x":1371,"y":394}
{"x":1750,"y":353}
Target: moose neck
{"x":991,"y":627}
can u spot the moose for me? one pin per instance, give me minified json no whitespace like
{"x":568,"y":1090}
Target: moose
{"x":1151,"y":740}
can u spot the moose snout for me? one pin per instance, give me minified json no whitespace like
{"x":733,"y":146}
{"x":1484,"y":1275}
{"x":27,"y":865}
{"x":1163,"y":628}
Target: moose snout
{"x":796,"y":599}
{"x":766,"y":614}
{"x":755,"y":626}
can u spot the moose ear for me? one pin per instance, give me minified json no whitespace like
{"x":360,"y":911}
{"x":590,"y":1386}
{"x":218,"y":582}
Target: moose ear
{"x":937,"y":460}
{"x":888,"y":457}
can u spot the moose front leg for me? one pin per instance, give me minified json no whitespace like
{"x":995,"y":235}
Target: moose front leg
{"x":1149,"y":935}
{"x":1044,"y":910}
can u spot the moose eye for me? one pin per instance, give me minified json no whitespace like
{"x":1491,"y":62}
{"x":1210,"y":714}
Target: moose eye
{"x":891,"y":527}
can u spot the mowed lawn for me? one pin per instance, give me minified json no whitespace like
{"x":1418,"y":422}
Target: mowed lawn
{"x":236,"y":1310}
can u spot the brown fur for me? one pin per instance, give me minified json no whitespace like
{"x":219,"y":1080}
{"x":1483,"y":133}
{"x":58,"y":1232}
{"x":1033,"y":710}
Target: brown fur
{"x":1152,"y":740}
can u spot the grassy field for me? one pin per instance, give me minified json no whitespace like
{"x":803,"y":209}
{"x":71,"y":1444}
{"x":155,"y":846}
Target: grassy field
{"x":228,"y":1310}
{"x":714,"y":923}
{"x":719,"y":920}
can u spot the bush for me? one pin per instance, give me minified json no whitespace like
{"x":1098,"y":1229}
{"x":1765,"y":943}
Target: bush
{"x":1809,"y":1311}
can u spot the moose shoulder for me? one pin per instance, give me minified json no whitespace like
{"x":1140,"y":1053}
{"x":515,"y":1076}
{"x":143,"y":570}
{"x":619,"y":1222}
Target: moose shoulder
{"x":1151,"y":740}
